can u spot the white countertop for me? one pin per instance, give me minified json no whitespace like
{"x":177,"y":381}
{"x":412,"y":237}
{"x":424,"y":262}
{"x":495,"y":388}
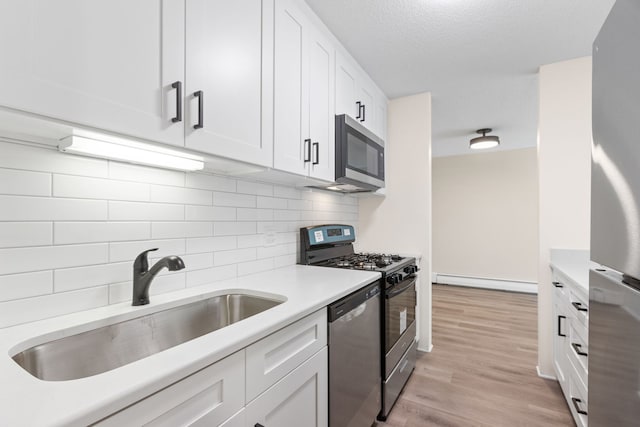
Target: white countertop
{"x":28,"y":401}
{"x":574,"y":264}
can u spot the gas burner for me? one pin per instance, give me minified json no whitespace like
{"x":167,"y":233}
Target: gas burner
{"x":366,"y":265}
{"x":343,"y":263}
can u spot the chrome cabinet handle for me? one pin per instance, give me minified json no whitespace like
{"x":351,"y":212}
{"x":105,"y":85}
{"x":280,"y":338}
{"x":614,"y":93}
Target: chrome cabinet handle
{"x":316,"y":145}
{"x":307,"y":149}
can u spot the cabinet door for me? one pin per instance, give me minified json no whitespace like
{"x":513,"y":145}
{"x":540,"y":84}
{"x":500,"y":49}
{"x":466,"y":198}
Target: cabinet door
{"x":107,"y":64}
{"x":321,"y":106}
{"x":368,"y":112}
{"x":299,"y":399}
{"x":206,"y":398}
{"x":225,"y":63}
{"x":346,"y":88}
{"x":292,"y":146}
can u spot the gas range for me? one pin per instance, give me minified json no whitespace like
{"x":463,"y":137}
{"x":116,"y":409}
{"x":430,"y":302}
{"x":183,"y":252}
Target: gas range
{"x":332,"y":246}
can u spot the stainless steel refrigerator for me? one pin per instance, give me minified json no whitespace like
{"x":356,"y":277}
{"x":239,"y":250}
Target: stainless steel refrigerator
{"x":614,"y":290}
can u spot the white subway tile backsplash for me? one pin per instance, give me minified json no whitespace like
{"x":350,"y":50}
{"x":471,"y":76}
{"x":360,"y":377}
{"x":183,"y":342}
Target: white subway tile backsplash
{"x":19,"y":234}
{"x":286,"y":192}
{"x":197,"y":261}
{"x":137,"y":173}
{"x":236,"y":256}
{"x":128,"y":251}
{"x":210,"y":182}
{"x":252,"y":267}
{"x":236,"y":200}
{"x":210,"y":275}
{"x":134,"y":211}
{"x":211,"y":244}
{"x":25,"y":183}
{"x":69,"y":279}
{"x":250,"y":241}
{"x":93,"y":232}
{"x":166,"y":194}
{"x":210,"y":213}
{"x":171,"y":230}
{"x":43,"y":307}
{"x":71,"y":226}
{"x":233,"y":228}
{"x":271,"y":203}
{"x":248,"y":187}
{"x":19,"y":260}
{"x":249,"y":214}
{"x":19,"y":208}
{"x":15,"y":156}
{"x":27,"y":285}
{"x":81,"y":187}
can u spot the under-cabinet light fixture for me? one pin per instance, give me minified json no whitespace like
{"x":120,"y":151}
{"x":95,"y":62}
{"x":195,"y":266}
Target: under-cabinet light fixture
{"x":132,"y":152}
{"x":484,"y":141}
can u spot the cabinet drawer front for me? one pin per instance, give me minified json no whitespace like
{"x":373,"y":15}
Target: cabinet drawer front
{"x":578,"y":353}
{"x":275,"y":356}
{"x":579,"y":308}
{"x":299,"y":399}
{"x":208,"y":397}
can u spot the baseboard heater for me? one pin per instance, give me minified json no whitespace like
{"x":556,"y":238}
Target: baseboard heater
{"x":486,"y":283}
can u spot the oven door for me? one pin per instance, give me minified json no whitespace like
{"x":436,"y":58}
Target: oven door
{"x":399,"y":320}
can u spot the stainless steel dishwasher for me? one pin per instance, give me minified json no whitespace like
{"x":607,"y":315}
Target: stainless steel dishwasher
{"x":354,"y":358}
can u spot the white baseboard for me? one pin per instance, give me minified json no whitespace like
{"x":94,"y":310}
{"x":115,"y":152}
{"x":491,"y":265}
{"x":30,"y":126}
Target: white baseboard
{"x":484,"y":283}
{"x":545,"y":376}
{"x":426,"y":350}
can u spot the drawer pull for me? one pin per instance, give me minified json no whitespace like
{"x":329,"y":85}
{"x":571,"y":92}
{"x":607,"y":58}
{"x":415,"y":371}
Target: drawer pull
{"x":578,"y":349}
{"x":557,"y":284}
{"x":560,"y":334}
{"x":576,"y":401}
{"x":578,"y":306}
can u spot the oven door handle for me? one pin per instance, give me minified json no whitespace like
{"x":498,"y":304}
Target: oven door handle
{"x":395,"y":291}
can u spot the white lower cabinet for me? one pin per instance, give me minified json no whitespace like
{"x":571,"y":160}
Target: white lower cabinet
{"x":208,"y":397}
{"x":299,"y":399}
{"x":280,"y":380}
{"x":570,"y":344}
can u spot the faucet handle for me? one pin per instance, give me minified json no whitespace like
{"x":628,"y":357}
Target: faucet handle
{"x":141,"y":264}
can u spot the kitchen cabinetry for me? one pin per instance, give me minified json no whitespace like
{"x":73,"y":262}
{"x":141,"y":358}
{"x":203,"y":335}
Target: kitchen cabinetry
{"x":208,"y":397}
{"x":570,"y":343}
{"x":104,"y":64}
{"x":303,"y":94}
{"x":280,"y":380}
{"x":227,"y":78}
{"x":299,"y":399}
{"x":359,"y":98}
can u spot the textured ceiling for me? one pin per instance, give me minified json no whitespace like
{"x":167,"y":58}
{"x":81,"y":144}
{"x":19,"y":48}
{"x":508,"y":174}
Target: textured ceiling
{"x":478,"y":58}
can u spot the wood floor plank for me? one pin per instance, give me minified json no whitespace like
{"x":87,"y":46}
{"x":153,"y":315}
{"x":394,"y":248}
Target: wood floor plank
{"x":481,"y":371}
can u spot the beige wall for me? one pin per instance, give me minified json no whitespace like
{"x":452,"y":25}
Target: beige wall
{"x":401,"y":221}
{"x":564,"y":159}
{"x":485,"y":215}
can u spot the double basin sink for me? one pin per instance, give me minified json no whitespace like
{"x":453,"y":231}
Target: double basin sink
{"x":109,"y":347}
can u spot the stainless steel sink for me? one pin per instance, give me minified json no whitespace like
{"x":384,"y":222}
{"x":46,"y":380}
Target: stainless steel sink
{"x":100,"y":350}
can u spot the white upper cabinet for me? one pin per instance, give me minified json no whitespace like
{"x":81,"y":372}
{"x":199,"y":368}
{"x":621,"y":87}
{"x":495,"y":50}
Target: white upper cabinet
{"x":358,"y":97}
{"x":303,"y":93}
{"x":226,"y":63}
{"x":104,"y":64}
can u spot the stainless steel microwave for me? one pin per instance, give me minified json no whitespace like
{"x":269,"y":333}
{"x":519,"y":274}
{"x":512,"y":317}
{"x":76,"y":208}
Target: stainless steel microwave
{"x":359,"y":156}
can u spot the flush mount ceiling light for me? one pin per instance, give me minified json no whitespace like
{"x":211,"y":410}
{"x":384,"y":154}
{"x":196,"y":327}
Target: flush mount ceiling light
{"x":484,"y":141}
{"x":131,"y":151}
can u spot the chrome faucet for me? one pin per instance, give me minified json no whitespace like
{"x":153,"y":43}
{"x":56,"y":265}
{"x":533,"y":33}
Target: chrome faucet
{"x":142,"y":275}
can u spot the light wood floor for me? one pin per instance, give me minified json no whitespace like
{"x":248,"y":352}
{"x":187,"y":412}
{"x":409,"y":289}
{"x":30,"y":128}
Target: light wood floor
{"x":482,"y":370}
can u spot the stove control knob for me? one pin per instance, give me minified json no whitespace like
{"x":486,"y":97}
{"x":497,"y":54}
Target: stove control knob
{"x":400,"y":277}
{"x":392,"y":279}
{"x":411,"y":269}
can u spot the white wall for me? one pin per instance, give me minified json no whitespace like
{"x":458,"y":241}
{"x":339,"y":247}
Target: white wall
{"x":401,"y":222}
{"x":564,"y":159}
{"x":485,"y":215}
{"x":71,"y":226}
